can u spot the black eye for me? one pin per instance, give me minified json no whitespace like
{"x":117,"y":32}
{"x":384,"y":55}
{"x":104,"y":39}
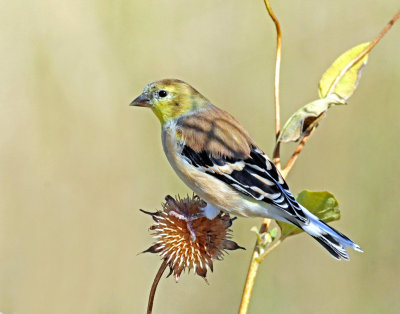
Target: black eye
{"x":162,"y":93}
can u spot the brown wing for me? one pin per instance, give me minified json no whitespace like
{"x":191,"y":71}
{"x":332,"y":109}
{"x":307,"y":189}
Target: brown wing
{"x":217,"y":132}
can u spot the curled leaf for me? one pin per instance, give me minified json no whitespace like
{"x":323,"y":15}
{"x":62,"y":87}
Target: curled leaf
{"x":342,"y":77}
{"x":322,"y":204}
{"x":306,"y":118}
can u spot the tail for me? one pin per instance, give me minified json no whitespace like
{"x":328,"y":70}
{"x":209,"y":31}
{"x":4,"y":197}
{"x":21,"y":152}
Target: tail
{"x":335,"y":242}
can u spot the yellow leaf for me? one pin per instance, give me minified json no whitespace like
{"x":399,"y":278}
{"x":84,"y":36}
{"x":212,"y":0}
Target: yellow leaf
{"x":340,"y":79}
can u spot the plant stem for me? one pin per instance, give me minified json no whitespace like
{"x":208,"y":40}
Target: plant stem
{"x":276,"y":159}
{"x":154,"y":286}
{"x":251,"y":276}
{"x":276,"y":154}
{"x":269,"y":250}
{"x":252,"y":272}
{"x":248,"y":288}
{"x":295,"y":155}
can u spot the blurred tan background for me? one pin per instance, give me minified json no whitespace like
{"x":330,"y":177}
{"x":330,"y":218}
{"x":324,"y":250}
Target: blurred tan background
{"x":76,"y":163}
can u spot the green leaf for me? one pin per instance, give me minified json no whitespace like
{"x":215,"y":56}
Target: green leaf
{"x":331,"y":83}
{"x":306,"y":118}
{"x":322,"y":204}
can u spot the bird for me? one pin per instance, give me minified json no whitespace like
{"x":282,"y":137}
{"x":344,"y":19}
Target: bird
{"x":215,"y":156}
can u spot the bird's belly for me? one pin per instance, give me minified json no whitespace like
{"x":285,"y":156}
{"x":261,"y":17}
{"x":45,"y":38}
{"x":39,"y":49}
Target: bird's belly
{"x":212,"y":190}
{"x":222,"y":196}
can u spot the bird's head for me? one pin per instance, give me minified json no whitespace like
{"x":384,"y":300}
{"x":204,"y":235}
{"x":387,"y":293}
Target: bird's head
{"x":170,"y":99}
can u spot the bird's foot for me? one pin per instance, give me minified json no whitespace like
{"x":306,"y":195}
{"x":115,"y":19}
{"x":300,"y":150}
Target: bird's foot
{"x":184,"y":215}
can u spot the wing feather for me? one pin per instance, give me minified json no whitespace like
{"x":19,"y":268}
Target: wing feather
{"x":256,"y":177}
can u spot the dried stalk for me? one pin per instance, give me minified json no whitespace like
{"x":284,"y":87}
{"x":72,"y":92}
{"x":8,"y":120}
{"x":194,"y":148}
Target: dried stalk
{"x":154,"y":286}
{"x":295,"y":154}
{"x":276,"y":154}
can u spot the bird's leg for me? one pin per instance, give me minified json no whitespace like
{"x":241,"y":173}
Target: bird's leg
{"x":177,"y":215}
{"x":189,"y":221}
{"x":178,"y":212}
{"x":184,"y":215}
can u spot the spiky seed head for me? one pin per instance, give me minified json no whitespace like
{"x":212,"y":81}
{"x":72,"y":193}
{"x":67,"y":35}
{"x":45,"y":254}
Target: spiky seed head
{"x":174,"y":236}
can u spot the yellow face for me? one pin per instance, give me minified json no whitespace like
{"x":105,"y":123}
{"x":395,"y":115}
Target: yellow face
{"x":169,"y":99}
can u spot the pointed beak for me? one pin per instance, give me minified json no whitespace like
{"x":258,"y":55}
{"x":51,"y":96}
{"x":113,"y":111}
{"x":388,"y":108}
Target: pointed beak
{"x":141,"y":101}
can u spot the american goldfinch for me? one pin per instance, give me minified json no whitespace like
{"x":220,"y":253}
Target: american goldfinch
{"x":216,"y":157}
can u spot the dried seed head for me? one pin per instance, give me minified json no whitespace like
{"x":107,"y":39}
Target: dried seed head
{"x":186,"y":239}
